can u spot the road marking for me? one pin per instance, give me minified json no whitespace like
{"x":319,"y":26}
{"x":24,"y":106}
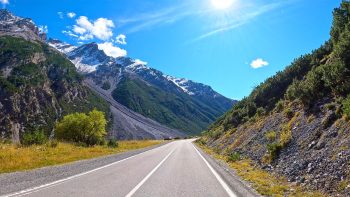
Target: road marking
{"x":58,"y":182}
{"x":217,"y":176}
{"x":132,"y":192}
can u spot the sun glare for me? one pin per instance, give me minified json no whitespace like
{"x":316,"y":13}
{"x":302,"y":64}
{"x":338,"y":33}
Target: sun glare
{"x":222,"y":4}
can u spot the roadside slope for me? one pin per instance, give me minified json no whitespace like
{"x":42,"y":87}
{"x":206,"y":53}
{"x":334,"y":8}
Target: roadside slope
{"x":296,"y":123}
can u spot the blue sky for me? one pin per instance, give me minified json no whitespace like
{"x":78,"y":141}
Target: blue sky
{"x":231,"y":48}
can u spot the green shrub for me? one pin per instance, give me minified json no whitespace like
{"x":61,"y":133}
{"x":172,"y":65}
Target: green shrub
{"x":330,"y":106}
{"x":83,"y":128}
{"x":34,"y":138}
{"x":274,"y":150}
{"x":285,"y":136}
{"x":289,"y":113}
{"x":260,"y":111}
{"x":234,"y":157}
{"x":270,"y":136}
{"x":201,"y":141}
{"x":112,"y":143}
{"x":346,"y":106}
{"x":279,"y":106}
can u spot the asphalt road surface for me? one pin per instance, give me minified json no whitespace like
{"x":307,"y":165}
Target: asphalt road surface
{"x":178,"y":168}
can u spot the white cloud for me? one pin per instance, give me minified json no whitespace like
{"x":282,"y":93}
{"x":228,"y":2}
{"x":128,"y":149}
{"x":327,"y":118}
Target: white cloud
{"x":138,"y":61}
{"x":4,"y":2}
{"x":111,"y":50}
{"x":79,"y":30}
{"x":258,"y":63}
{"x":69,"y":33}
{"x":121,"y":39}
{"x":71,"y":14}
{"x":60,"y":14}
{"x":43,"y":29}
{"x":101,"y":28}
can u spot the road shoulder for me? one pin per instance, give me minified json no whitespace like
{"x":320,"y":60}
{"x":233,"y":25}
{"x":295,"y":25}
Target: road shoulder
{"x":238,"y":186}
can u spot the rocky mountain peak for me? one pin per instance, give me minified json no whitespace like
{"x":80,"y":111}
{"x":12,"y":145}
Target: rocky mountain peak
{"x":12,"y":25}
{"x":6,"y":15}
{"x":61,"y":46}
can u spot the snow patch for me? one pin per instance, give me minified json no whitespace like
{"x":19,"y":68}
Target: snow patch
{"x":62,"y":47}
{"x":181,"y":83}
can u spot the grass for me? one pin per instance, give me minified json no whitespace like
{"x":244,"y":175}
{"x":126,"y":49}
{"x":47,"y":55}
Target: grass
{"x":14,"y":158}
{"x":262,"y":181}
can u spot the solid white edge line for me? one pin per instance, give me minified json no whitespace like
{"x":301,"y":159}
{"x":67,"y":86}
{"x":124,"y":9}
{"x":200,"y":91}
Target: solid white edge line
{"x":132,"y":192}
{"x":217,"y":176}
{"x":48,"y":185}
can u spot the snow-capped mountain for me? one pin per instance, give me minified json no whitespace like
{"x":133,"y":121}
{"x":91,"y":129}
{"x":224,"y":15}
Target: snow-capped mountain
{"x":175,"y":102}
{"x":89,"y":57}
{"x":61,"y":46}
{"x":12,"y":25}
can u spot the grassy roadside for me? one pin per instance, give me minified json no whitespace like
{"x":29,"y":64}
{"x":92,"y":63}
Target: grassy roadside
{"x":263,"y":182}
{"x":15,"y":158}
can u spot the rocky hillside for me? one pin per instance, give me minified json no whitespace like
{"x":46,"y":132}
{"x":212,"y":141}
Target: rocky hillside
{"x":37,"y":84}
{"x":296,"y":123}
{"x":178,"y":103}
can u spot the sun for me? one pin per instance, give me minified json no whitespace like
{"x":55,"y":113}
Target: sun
{"x":222,"y":4}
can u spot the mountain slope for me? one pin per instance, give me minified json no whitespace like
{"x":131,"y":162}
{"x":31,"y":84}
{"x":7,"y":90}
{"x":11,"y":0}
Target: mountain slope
{"x":296,"y":123}
{"x":38,"y":85}
{"x":178,"y":103}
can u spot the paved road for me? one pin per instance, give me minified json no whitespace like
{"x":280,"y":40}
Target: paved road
{"x":175,"y":169}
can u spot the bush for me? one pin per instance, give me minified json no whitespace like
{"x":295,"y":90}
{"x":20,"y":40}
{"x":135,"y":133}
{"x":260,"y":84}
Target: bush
{"x":286,"y":136}
{"x":289,"y":113}
{"x":83,"y":128}
{"x":112,"y":143}
{"x":346,"y":106}
{"x":234,"y":157}
{"x":260,"y":111}
{"x":279,"y":106}
{"x":270,"y":136}
{"x":201,"y":141}
{"x":274,"y":150}
{"x":35,"y":138}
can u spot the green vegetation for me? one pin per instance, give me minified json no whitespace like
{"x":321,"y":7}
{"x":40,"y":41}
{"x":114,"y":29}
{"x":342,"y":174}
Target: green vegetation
{"x":174,"y":110}
{"x":270,"y":136}
{"x":36,"y":71}
{"x":324,"y":73}
{"x":346,"y":106}
{"x":234,"y":157}
{"x":18,"y":158}
{"x":16,"y":47}
{"x":35,"y":138}
{"x":113,"y":143}
{"x":89,"y":129}
{"x":286,"y":136}
{"x":273,"y":152}
{"x":106,"y":85}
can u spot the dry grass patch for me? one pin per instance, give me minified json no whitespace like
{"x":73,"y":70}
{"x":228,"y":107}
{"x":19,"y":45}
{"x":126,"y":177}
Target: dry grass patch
{"x":14,"y":158}
{"x":263,"y":182}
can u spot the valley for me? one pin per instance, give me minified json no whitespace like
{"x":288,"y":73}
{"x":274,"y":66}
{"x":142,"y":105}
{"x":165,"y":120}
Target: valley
{"x":81,"y":116}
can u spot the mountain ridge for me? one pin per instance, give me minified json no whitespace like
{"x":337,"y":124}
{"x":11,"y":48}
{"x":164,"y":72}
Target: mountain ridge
{"x":111,"y":72}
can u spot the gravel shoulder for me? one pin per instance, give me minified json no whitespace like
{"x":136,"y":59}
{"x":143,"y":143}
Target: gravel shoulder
{"x":238,"y":186}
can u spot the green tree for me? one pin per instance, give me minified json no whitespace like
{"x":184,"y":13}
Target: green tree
{"x":82,"y":128}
